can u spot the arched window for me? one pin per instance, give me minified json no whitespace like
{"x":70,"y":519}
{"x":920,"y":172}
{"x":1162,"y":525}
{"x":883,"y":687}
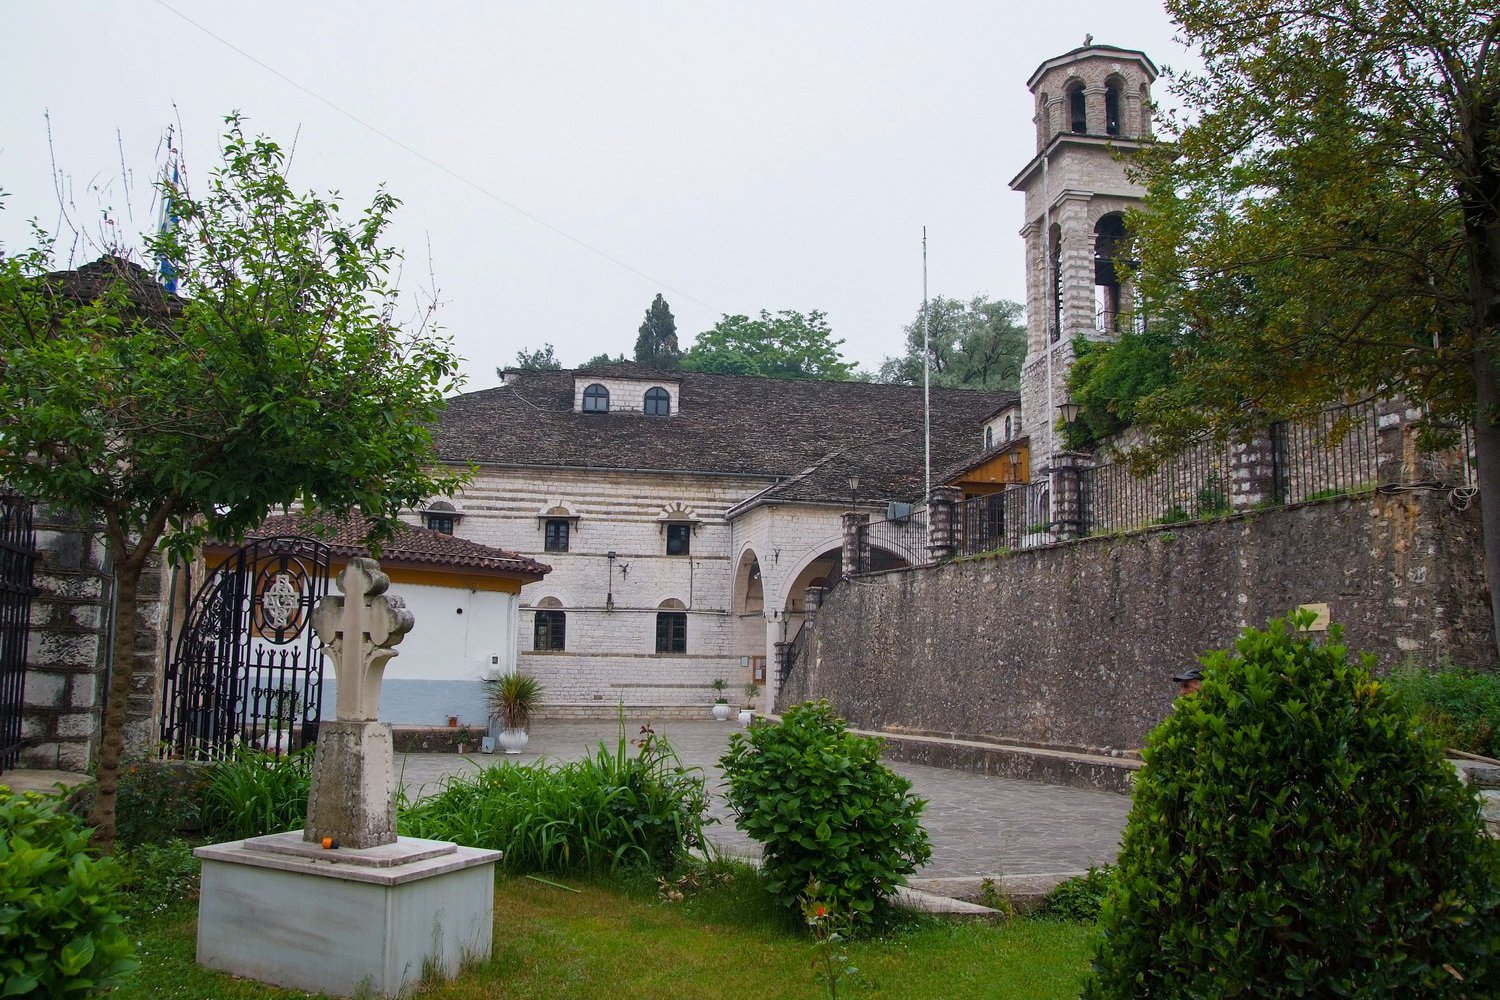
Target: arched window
{"x":1054,"y":280}
{"x":1112,"y":107}
{"x":1078,"y":114}
{"x":989,"y":437}
{"x":550,"y":633}
{"x":596,"y":399}
{"x":658,"y":402}
{"x":1008,"y":434}
{"x":671,"y":627}
{"x":1109,"y":234}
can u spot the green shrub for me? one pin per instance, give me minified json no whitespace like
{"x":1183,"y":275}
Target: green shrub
{"x":157,"y":876}
{"x":59,"y":905}
{"x":610,"y":810}
{"x":1460,"y":707}
{"x":1081,"y":897}
{"x":1293,"y":833}
{"x":252,"y":793}
{"x":824,"y":810}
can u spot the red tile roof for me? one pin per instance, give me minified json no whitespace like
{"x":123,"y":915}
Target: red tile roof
{"x":410,"y":545}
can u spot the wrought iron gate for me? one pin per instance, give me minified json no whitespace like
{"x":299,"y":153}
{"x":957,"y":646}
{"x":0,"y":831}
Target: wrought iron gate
{"x":17,"y":556}
{"x":247,"y":668}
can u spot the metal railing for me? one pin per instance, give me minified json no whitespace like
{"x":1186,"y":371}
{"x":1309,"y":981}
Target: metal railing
{"x":1192,"y":484}
{"x":17,"y":559}
{"x":1018,"y":518}
{"x":1328,"y":455}
{"x":893,"y":543}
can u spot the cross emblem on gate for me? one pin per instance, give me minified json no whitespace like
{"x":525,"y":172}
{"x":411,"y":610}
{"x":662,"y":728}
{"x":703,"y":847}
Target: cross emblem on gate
{"x":279,"y":601}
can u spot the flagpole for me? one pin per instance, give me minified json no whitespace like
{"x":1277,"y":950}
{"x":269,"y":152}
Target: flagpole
{"x":926,"y":395}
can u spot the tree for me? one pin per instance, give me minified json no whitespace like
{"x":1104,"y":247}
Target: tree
{"x":786,"y":345}
{"x":656,"y":346}
{"x":278,"y":378}
{"x":1326,"y":223}
{"x":601,"y":360}
{"x":540,"y":360}
{"x":979,"y":344}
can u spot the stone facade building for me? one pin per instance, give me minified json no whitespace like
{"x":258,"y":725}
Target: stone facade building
{"x":689,"y":518}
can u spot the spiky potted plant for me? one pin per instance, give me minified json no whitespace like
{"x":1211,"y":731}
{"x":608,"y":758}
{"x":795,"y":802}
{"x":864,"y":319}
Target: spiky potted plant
{"x":721,"y":703}
{"x":512,"y":698}
{"x":747,"y":714}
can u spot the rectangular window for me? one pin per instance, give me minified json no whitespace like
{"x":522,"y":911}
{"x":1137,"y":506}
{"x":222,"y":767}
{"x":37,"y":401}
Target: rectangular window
{"x":679,"y":539}
{"x":551,"y":631}
{"x":440,"y":522}
{"x":671,"y":632}
{"x":557,"y":535}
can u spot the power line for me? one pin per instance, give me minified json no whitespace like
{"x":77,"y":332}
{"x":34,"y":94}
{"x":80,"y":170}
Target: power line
{"x":430,"y":161}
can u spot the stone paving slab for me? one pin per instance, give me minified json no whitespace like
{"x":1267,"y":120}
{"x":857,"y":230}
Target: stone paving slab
{"x":980,"y":825}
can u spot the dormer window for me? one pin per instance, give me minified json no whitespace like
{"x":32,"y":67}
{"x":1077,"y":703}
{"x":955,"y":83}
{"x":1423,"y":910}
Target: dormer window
{"x":441,"y":516}
{"x":658,"y":402}
{"x":596,"y":399}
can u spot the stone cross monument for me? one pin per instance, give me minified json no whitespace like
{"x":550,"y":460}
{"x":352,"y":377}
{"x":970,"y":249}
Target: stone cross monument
{"x":353,"y":798}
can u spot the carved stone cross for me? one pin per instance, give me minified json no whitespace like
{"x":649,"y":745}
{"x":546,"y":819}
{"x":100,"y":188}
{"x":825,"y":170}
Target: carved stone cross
{"x":377,"y":621}
{"x":353,"y":796}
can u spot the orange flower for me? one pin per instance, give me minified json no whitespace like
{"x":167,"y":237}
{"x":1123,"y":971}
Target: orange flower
{"x":820,"y":910}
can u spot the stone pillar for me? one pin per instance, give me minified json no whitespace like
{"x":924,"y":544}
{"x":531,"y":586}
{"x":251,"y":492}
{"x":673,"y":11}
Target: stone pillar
{"x":942,"y":522}
{"x":1396,"y":458}
{"x":812,"y":600}
{"x":353,"y":798}
{"x":67,"y":648}
{"x":1252,"y":471}
{"x":1067,"y":509}
{"x":856,"y":554}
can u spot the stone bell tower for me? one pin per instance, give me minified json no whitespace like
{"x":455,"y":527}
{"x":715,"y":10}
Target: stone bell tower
{"x":1091,"y":104}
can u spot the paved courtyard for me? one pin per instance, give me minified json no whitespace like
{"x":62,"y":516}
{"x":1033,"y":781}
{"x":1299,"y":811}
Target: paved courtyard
{"x":979,"y":826}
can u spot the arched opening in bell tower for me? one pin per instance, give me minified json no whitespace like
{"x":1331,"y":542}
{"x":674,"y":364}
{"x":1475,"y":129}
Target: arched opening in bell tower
{"x":1109,"y":302}
{"x":1054,"y":283}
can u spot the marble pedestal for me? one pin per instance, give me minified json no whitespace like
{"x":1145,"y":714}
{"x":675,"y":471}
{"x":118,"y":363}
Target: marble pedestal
{"x":369,"y":921}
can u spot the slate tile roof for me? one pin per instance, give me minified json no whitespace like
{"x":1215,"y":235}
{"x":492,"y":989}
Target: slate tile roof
{"x":412,"y":545}
{"x":811,"y":434}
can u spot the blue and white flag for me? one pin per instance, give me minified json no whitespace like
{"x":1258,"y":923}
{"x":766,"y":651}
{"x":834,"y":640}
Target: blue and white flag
{"x":168,"y":221}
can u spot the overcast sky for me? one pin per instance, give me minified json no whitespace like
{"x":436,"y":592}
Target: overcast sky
{"x":564,"y":161}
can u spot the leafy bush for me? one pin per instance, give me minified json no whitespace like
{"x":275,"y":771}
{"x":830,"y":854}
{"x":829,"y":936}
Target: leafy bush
{"x":825,"y":810}
{"x":1460,"y":707}
{"x":1293,"y":833}
{"x":59,"y":905}
{"x":1081,"y":897}
{"x":607,"y":811}
{"x":158,"y":875}
{"x":156,"y":802}
{"x":252,"y":793}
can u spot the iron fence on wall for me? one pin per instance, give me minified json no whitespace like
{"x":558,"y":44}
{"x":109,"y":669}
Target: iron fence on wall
{"x":894,"y":543}
{"x":1018,"y":518}
{"x":1193,"y":483}
{"x":1327,"y":455}
{"x":17,"y":560}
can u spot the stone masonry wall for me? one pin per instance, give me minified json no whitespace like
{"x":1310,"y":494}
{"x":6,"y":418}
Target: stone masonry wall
{"x":1075,"y":644}
{"x":67,"y":653}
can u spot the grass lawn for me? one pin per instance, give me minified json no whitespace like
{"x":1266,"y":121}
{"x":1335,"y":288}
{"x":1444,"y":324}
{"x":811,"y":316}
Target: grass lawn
{"x":622,"y":941}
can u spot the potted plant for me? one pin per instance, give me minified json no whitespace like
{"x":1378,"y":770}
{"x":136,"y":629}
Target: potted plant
{"x":747,"y":714}
{"x":721,"y":704}
{"x":512,"y":697}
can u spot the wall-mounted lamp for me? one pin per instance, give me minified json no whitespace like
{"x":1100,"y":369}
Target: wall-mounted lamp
{"x":1015,"y":466}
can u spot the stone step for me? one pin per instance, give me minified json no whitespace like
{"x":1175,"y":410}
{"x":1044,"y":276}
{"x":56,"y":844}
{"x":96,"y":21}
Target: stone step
{"x":1051,"y":766}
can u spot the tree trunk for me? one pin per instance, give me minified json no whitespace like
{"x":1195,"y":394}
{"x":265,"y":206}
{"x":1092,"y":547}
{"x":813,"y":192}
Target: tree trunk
{"x":122,"y":669}
{"x":1487,"y":474}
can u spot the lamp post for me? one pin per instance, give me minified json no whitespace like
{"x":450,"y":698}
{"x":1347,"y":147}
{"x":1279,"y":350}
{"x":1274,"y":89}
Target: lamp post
{"x":853,"y":490}
{"x":1015,"y":465}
